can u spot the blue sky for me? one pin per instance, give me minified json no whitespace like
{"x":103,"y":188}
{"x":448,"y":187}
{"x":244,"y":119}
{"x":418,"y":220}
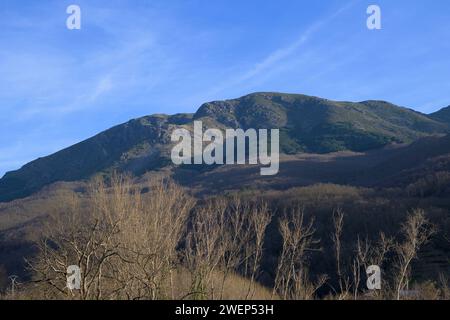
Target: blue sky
{"x":133,"y":58}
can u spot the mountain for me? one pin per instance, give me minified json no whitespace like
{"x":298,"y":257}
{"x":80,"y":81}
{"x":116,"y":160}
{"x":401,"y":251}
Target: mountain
{"x":311,"y":124}
{"x":442,"y":115}
{"x":307,"y":124}
{"x":134,"y":146}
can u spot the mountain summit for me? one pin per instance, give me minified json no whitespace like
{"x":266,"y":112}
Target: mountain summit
{"x":307,"y":124}
{"x":442,"y":115}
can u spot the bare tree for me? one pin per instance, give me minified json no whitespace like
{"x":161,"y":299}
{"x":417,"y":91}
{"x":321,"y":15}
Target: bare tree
{"x":131,"y":244}
{"x":369,"y":254}
{"x":205,"y":246}
{"x":344,"y":281}
{"x":226,"y":237}
{"x":123,"y":242}
{"x":75,"y":238}
{"x":416,"y":232}
{"x":259,"y":219}
{"x":298,"y":238}
{"x":236,"y":237}
{"x":151,"y":235}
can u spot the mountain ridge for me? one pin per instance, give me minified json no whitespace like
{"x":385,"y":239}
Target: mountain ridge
{"x":442,"y":115}
{"x":307,"y":124}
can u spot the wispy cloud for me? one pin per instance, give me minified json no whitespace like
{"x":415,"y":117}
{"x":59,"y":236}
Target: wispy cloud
{"x":73,"y":104}
{"x":279,"y":55}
